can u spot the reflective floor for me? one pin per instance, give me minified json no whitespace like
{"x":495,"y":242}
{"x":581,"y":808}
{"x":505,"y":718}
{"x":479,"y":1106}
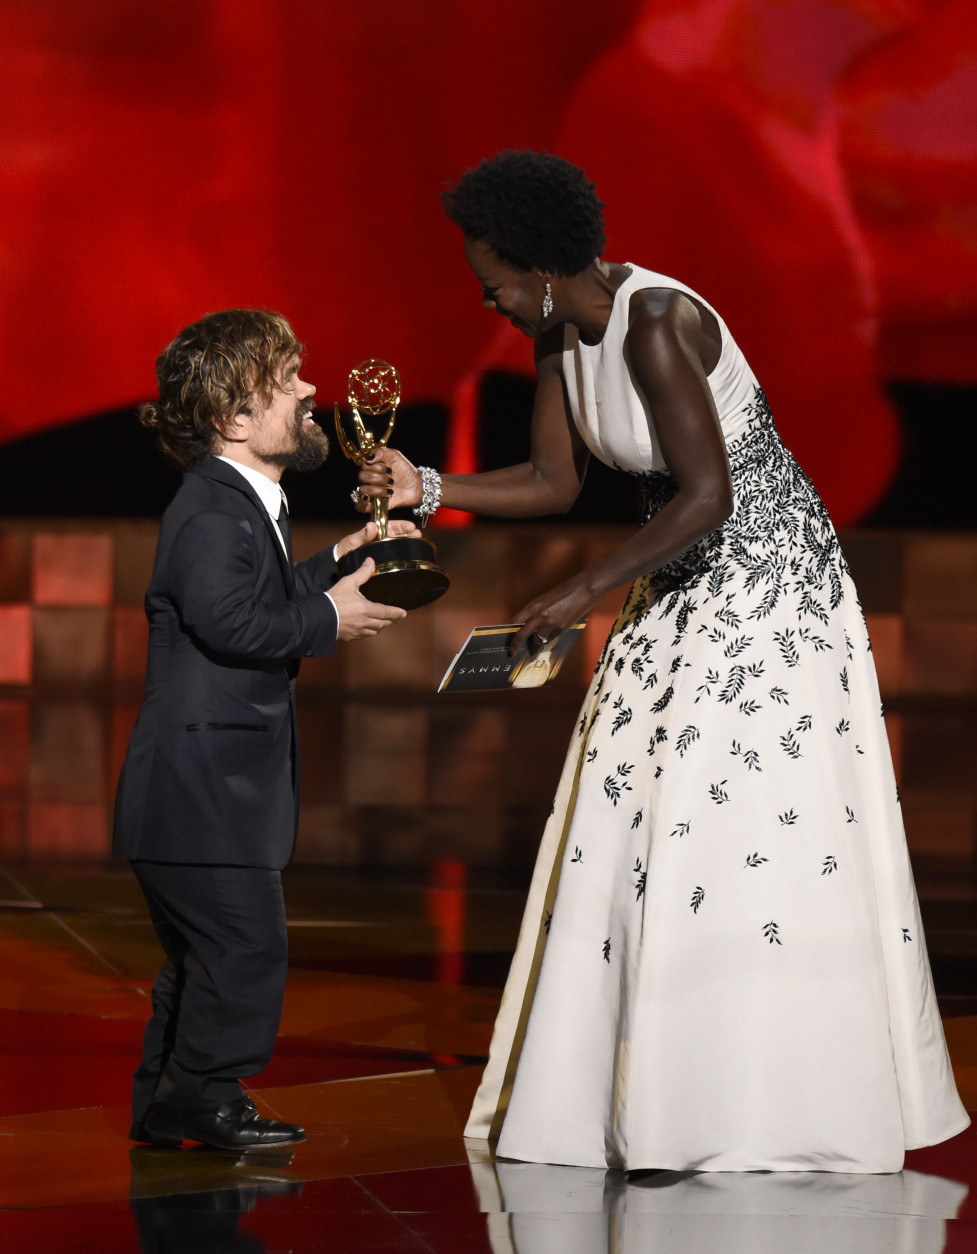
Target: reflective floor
{"x":393,"y":989}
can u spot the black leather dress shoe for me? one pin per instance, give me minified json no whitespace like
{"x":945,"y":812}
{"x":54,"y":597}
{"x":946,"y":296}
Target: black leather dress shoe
{"x":233,"y":1126}
{"x":139,"y":1132}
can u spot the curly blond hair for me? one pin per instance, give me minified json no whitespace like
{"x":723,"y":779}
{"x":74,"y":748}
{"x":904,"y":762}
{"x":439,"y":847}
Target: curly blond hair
{"x":209,"y":373}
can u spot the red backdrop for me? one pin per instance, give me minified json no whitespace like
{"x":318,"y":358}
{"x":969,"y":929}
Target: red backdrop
{"x":808,"y":165}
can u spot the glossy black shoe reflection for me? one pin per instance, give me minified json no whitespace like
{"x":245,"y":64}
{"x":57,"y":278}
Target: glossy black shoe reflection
{"x":233,"y":1126}
{"x":155,"y":1172}
{"x":192,"y":1203}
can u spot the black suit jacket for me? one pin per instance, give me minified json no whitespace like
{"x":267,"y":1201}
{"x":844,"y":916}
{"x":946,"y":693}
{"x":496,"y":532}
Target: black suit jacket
{"x":211,"y":775}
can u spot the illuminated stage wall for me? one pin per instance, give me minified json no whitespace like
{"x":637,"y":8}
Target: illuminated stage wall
{"x":809,"y":165}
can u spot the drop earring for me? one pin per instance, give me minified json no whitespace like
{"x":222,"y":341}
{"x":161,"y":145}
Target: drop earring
{"x":547,"y":300}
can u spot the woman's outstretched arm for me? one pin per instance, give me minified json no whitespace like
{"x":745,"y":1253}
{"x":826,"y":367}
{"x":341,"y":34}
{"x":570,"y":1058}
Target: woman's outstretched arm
{"x":548,"y":483}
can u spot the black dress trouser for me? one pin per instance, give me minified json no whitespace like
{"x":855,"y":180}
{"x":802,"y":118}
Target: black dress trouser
{"x":217,"y":1000}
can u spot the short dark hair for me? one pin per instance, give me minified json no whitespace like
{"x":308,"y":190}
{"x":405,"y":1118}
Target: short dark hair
{"x":534,"y":210}
{"x":210,"y":373}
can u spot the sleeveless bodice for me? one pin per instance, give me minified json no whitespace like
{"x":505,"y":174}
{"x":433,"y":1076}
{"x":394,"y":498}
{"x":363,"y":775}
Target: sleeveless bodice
{"x":610,"y":412}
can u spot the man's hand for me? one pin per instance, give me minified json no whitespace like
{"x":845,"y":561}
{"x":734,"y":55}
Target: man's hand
{"x":395,"y":527}
{"x":359,"y":617}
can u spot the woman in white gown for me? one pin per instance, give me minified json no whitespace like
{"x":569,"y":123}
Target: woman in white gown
{"x":721,"y":964}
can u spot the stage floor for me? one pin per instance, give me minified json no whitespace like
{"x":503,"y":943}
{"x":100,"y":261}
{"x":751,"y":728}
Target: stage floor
{"x":393,"y":988}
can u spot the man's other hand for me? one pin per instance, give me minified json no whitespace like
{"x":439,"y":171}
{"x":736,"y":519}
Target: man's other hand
{"x":359,"y":617}
{"x":395,"y":527}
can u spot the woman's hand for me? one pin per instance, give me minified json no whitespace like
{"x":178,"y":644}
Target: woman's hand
{"x":549,"y":614}
{"x":391,"y":477}
{"x":395,"y":527}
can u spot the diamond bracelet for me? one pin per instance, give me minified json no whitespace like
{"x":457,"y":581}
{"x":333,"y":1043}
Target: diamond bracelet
{"x":430,"y":494}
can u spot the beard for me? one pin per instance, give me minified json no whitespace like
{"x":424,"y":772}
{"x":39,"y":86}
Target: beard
{"x":311,"y":445}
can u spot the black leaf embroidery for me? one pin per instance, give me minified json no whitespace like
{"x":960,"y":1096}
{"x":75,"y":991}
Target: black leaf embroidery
{"x":717,"y":577}
{"x":754,"y":859}
{"x":637,"y":667}
{"x":790,"y":745}
{"x":607,"y":950}
{"x":830,"y":865}
{"x":810,"y":606}
{"x":729,"y":616}
{"x":698,"y":897}
{"x":905,"y":936}
{"x":772,"y":932}
{"x":779,"y":545}
{"x":843,"y":676}
{"x":577,"y":854}
{"x":682,"y":619}
{"x":735,"y":647}
{"x":639,"y":883}
{"x":636,"y":821}
{"x":663,"y":700}
{"x":750,"y":756}
{"x":681,"y":829}
{"x":788,"y":649}
{"x":659,"y":736}
{"x":650,"y":681}
{"x":818,"y":642}
{"x":767,"y":604}
{"x":851,"y":815}
{"x":592,"y":755}
{"x":843,"y":726}
{"x":623,"y":716}
{"x":686,"y":738}
{"x":676,"y":663}
{"x":705,"y":688}
{"x":734,"y":684}
{"x":617,"y":783}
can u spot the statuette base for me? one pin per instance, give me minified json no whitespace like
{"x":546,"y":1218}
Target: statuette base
{"x":407,"y":574}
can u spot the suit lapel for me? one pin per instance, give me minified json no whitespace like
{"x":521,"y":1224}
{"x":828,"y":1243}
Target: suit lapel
{"x":214,"y":468}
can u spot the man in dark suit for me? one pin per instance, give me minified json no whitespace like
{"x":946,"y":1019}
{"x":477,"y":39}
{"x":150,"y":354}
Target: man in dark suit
{"x":207,"y":805}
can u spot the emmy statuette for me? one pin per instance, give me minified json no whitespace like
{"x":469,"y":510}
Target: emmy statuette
{"x":407,"y":572}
